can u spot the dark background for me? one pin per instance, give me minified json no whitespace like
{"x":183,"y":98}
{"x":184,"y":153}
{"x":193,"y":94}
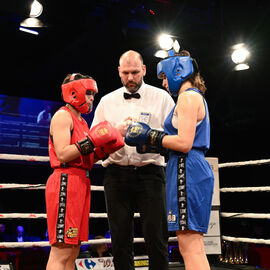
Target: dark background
{"x":89,"y":36}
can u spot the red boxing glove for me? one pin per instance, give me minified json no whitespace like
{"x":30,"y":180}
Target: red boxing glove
{"x":114,"y":146}
{"x":104,"y":151}
{"x":100,"y":154}
{"x":100,"y":135}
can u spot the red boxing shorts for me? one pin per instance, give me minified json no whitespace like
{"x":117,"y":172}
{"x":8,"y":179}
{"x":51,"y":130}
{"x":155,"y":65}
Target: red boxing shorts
{"x":68,"y":205}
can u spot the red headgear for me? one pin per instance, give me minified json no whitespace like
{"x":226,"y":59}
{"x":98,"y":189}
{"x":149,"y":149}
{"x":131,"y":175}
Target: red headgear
{"x":75,"y":90}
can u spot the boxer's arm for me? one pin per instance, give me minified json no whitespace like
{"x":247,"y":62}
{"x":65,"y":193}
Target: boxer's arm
{"x":187,"y":112}
{"x":61,"y":126}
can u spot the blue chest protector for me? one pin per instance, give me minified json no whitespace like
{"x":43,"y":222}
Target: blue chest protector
{"x":202,"y":134}
{"x":189,"y":179}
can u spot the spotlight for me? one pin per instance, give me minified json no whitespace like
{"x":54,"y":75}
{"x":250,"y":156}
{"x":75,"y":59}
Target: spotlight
{"x":241,"y":67}
{"x":33,"y":22}
{"x":161,"y":54}
{"x":167,"y":44}
{"x":239,"y":56}
{"x":176,"y":46}
{"x":36,"y":9}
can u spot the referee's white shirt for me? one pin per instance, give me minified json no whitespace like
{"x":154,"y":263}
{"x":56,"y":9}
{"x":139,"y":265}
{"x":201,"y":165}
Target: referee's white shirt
{"x":152,"y":108}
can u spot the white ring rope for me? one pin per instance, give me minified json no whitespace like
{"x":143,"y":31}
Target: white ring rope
{"x":38,"y":186}
{"x":22,"y":186}
{"x":245,"y":189}
{"x":46,"y":243}
{"x":37,"y":216}
{"x":244,"y":163}
{"x":246,"y":240}
{"x":245,"y":215}
{"x":104,"y":215}
{"x":101,"y":188}
{"x":136,"y":240}
{"x":136,"y":215}
{"x":24,"y":157}
{"x":46,"y":159}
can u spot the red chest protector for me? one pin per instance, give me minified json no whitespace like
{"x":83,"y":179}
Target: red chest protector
{"x":80,"y":130}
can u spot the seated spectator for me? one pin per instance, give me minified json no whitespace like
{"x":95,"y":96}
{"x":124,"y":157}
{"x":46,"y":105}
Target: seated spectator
{"x":4,"y":237}
{"x":100,"y":250}
{"x":45,"y":116}
{"x":20,"y":235}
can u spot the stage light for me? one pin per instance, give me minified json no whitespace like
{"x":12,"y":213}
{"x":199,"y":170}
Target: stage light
{"x":161,"y":54}
{"x":33,"y":22}
{"x":36,"y":9}
{"x":239,"y":56}
{"x":165,"y":42}
{"x":28,"y":31}
{"x":241,"y":67}
{"x":176,"y":46}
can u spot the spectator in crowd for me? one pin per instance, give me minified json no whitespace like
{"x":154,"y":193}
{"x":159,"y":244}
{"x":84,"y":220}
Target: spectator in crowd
{"x":4,"y":237}
{"x":44,"y":117}
{"x":20,"y":235}
{"x":100,"y":250}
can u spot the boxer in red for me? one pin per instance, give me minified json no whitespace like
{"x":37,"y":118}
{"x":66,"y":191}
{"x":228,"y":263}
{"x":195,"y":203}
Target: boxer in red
{"x":73,"y":149}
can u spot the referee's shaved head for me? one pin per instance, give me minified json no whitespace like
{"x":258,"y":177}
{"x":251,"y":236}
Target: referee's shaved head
{"x":131,"y":70}
{"x":130,"y":55}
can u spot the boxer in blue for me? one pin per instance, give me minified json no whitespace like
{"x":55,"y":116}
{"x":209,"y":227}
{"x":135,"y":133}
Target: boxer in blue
{"x":186,"y":139}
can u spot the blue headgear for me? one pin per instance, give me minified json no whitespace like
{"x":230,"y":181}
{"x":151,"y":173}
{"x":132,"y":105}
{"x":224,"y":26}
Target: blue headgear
{"x":176,"y":69}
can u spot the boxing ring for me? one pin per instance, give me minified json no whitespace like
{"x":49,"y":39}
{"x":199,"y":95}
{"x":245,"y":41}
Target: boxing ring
{"x":215,"y":242}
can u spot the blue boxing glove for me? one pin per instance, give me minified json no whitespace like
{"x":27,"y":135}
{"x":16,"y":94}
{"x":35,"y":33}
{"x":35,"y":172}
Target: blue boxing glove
{"x":145,"y":139}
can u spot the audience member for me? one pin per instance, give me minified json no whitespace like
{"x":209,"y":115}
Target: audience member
{"x":100,"y":250}
{"x":44,"y":117}
{"x":20,"y":235}
{"x":4,"y":237}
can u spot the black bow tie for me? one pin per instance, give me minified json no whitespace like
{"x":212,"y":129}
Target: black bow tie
{"x":129,"y":96}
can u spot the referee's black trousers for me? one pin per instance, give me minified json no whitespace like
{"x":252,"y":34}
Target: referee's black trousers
{"x":128,"y":188}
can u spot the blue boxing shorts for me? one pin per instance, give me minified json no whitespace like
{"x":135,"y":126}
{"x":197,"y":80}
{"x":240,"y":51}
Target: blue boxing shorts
{"x":190,"y":185}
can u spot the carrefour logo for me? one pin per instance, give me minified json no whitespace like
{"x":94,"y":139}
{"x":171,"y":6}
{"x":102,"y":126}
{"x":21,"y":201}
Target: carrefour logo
{"x":87,"y":264}
{"x":95,"y":263}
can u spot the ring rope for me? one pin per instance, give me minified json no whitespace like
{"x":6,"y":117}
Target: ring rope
{"x":24,"y":157}
{"x":101,"y":215}
{"x":245,"y":189}
{"x":37,"y":216}
{"x":46,"y":243}
{"x":38,"y":186}
{"x":22,"y":186}
{"x":246,"y":240}
{"x":136,"y":240}
{"x":244,"y":163}
{"x":46,"y":159}
{"x":101,"y":188}
{"x":136,"y":215}
{"x":245,"y":215}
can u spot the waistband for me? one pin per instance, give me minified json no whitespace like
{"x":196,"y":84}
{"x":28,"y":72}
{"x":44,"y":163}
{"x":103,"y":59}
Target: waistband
{"x":134,"y":168}
{"x":74,"y":170}
{"x":193,"y":151}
